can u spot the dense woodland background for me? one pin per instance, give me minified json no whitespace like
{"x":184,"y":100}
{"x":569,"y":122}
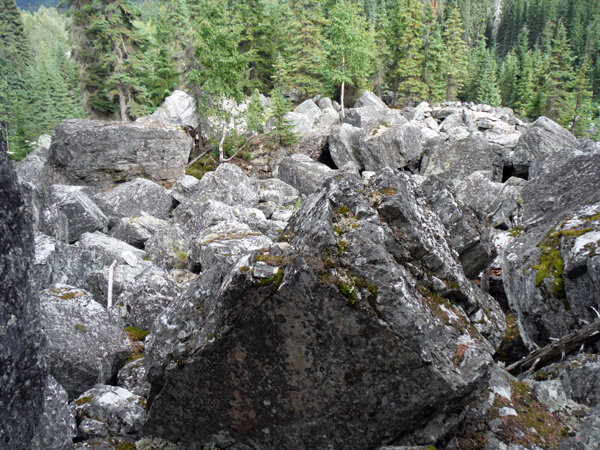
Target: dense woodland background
{"x":117,"y":59}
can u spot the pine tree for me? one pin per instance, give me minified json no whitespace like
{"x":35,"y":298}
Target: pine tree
{"x":555,"y":100}
{"x":488,"y":91}
{"x":456,"y":55}
{"x":282,"y":129}
{"x":433,"y":52}
{"x":507,"y":80}
{"x":255,"y":113}
{"x":581,"y":100}
{"x":349,"y":48}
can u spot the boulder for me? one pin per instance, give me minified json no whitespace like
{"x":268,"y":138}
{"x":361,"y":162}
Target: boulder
{"x":228,"y":184}
{"x":542,"y":137}
{"x":59,"y":263}
{"x":300,"y":122}
{"x":134,"y":198}
{"x":397,"y":147}
{"x":83,"y":216}
{"x":178,"y":108}
{"x":412,"y":113}
{"x":101,"y":154}
{"x":276,"y":191}
{"x":328,"y":118}
{"x":53,"y":222}
{"x":124,"y":279}
{"x":135,"y":231}
{"x":111,"y":248}
{"x":456,"y":160}
{"x":303,"y":173}
{"x":472,"y":244}
{"x":185,"y":187}
{"x":119,"y":410}
{"x":443,"y":113}
{"x":133,"y":378}
{"x":588,"y":435}
{"x":325,"y":103}
{"x":340,"y":361}
{"x":344,"y":144}
{"x":170,"y":248}
{"x":369,"y":99}
{"x":33,"y":168}
{"x":57,"y":427}
{"x":310,"y":110}
{"x":85,"y":346}
{"x":21,"y":343}
{"x":371,"y":117}
{"x":313,"y":144}
{"x":552,"y":267}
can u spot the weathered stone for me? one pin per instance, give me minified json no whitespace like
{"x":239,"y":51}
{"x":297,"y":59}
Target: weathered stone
{"x":300,"y":122}
{"x":455,"y":160}
{"x":82,"y":213}
{"x":472,"y":244}
{"x":94,"y":444}
{"x":412,"y":113}
{"x":550,"y":271}
{"x":397,"y":147}
{"x":310,"y":110}
{"x":551,"y":394}
{"x":375,"y":351}
{"x":170,"y":248}
{"x":541,"y":138}
{"x":91,"y":429}
{"x":178,"y":108}
{"x":22,"y":373}
{"x":185,"y":187}
{"x":313,"y":144}
{"x":53,"y":222}
{"x":59,"y":263}
{"x":328,"y":118}
{"x":137,"y":230}
{"x":370,"y":117}
{"x":303,"y":173}
{"x":267,"y":208}
{"x":110,"y":248}
{"x":276,"y":191}
{"x":344,"y":144}
{"x":121,"y":411}
{"x":134,"y":198}
{"x":84,"y":346}
{"x":228,"y":184}
{"x":124,"y":280}
{"x":133,"y":378}
{"x":101,"y":154}
{"x":325,"y":103}
{"x":588,"y":436}
{"x":369,"y":99}
{"x":56,"y":428}
{"x":452,"y":121}
{"x":442,"y":113}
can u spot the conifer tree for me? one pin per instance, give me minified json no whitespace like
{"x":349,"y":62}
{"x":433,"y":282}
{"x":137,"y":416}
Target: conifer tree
{"x":555,"y":101}
{"x":581,"y":101}
{"x":456,"y":55}
{"x":488,"y":91}
{"x":507,"y":80}
{"x":433,"y":52}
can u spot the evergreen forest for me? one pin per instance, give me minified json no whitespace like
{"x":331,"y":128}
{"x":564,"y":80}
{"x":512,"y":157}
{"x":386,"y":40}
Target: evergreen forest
{"x":119,"y":59}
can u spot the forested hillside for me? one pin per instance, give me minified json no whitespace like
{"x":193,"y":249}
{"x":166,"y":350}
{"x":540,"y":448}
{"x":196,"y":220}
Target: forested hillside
{"x":120,"y":59}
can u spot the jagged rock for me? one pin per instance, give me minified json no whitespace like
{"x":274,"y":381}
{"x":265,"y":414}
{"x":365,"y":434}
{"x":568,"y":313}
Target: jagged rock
{"x":550,"y":271}
{"x":82,"y":213}
{"x":91,"y":429}
{"x":486,"y":198}
{"x":551,"y":394}
{"x":21,"y":343}
{"x":84,"y":346}
{"x":124,"y":279}
{"x":133,"y":378}
{"x":53,"y":222}
{"x":101,"y":154}
{"x":310,"y":110}
{"x":59,"y":263}
{"x":474,"y":246}
{"x":325,"y":103}
{"x":134,"y":198}
{"x":508,"y":141}
{"x":456,"y":160}
{"x":226,"y":241}
{"x":137,"y":230}
{"x":170,"y":248}
{"x":370,"y":117}
{"x":396,"y":148}
{"x":541,"y":138}
{"x":313,"y":144}
{"x":282,"y":213}
{"x":412,"y":113}
{"x":185,"y":187}
{"x":34,"y":201}
{"x":328,"y":118}
{"x":340,"y":361}
{"x":344,"y":144}
{"x":178,"y":108}
{"x":32,"y":168}
{"x":442,"y":113}
{"x":118,"y":409}
{"x":276,"y":191}
{"x":228,"y":184}
{"x":110,"y":248}
{"x":56,"y":428}
{"x":588,"y":436}
{"x":300,"y":122}
{"x":267,"y":208}
{"x":369,"y":99}
{"x":452,"y":121}
{"x":303,"y":173}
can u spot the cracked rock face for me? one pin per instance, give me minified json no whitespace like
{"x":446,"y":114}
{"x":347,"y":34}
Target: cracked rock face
{"x":330,"y":348}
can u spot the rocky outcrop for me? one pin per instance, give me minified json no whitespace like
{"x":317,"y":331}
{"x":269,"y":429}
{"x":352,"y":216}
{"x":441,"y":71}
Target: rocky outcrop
{"x":303,"y":173}
{"x":21,"y":343}
{"x":178,"y":108}
{"x":551,"y":270}
{"x":366,"y":303}
{"x":396,"y":148}
{"x":101,"y":154}
{"x":133,"y":378}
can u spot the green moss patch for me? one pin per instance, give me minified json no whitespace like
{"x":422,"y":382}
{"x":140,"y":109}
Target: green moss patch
{"x":136,"y":334}
{"x":80,"y":327}
{"x":83,"y":400}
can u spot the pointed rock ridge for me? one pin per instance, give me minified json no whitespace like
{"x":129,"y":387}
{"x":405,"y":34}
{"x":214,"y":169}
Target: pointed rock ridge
{"x":21,"y":342}
{"x":101,"y":154}
{"x":327,"y":344}
{"x":551,"y":267}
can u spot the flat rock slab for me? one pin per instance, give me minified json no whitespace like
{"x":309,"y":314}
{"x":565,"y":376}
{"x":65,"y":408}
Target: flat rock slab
{"x":303,"y":173}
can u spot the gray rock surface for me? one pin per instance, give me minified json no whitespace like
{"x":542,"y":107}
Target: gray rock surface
{"x":22,"y":372}
{"x":552,"y":269}
{"x":178,"y":108}
{"x":344,"y":144}
{"x":228,"y":184}
{"x":330,"y":369}
{"x":53,"y":222}
{"x":59,"y":263}
{"x":185,"y":187}
{"x":83,"y":215}
{"x":124,"y":280}
{"x":276,"y":191}
{"x":303,"y":173}
{"x":588,"y":437}
{"x":134,"y":198}
{"x":135,"y":231}
{"x":110,"y":248}
{"x":369,"y":99}
{"x":85,"y":346}
{"x":133,"y":378}
{"x":397,"y":147}
{"x":170,"y":248}
{"x":370,"y":117}
{"x":300,"y":122}
{"x":310,"y":110}
{"x":118,"y":409}
{"x":57,"y":427}
{"x":328,"y":118}
{"x":101,"y":154}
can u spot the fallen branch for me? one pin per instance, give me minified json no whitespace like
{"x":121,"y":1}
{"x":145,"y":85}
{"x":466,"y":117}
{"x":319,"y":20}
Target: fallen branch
{"x":197,"y":158}
{"x":111,"y":276}
{"x":557,"y":350}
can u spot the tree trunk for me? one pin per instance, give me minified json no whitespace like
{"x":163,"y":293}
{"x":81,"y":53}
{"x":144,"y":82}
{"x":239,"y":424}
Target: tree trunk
{"x":123,"y":103}
{"x":342,"y":101}
{"x":221,"y":152}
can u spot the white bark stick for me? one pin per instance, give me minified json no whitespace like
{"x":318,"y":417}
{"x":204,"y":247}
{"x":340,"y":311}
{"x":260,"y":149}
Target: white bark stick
{"x":111,"y":276}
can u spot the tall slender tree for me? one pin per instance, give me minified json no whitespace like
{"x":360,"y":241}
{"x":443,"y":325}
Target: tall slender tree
{"x":456,"y":55}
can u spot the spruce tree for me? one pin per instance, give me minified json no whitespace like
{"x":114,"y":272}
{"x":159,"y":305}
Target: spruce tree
{"x":507,"y":80}
{"x":488,"y":91}
{"x":555,"y":101}
{"x":456,"y":55}
{"x":433,"y":52}
{"x":581,"y":100}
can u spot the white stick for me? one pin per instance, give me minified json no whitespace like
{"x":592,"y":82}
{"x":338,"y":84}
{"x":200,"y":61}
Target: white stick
{"x":111,"y":275}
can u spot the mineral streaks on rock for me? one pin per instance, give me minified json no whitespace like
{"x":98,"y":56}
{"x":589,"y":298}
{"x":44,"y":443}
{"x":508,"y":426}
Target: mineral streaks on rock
{"x":347,"y":336}
{"x":22,"y":374}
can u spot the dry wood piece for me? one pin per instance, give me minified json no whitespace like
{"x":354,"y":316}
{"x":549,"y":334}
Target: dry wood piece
{"x":557,"y":350}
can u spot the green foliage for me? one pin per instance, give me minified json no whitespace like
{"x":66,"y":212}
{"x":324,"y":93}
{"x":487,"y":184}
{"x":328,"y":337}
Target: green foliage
{"x":255,"y":114}
{"x":282,"y":129}
{"x":456,"y":55}
{"x":136,"y":334}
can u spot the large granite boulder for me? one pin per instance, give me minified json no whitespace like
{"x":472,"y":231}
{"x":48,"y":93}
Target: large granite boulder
{"x":110,"y":248}
{"x":101,"y":154}
{"x":85,"y":346}
{"x":332,"y":344}
{"x":370,"y":117}
{"x":303,"y":173}
{"x":552,"y":270}
{"x":134,"y":198}
{"x":22,"y":373}
{"x":310,"y":110}
{"x":542,"y":137}
{"x":397,"y":147}
{"x":178,"y":108}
